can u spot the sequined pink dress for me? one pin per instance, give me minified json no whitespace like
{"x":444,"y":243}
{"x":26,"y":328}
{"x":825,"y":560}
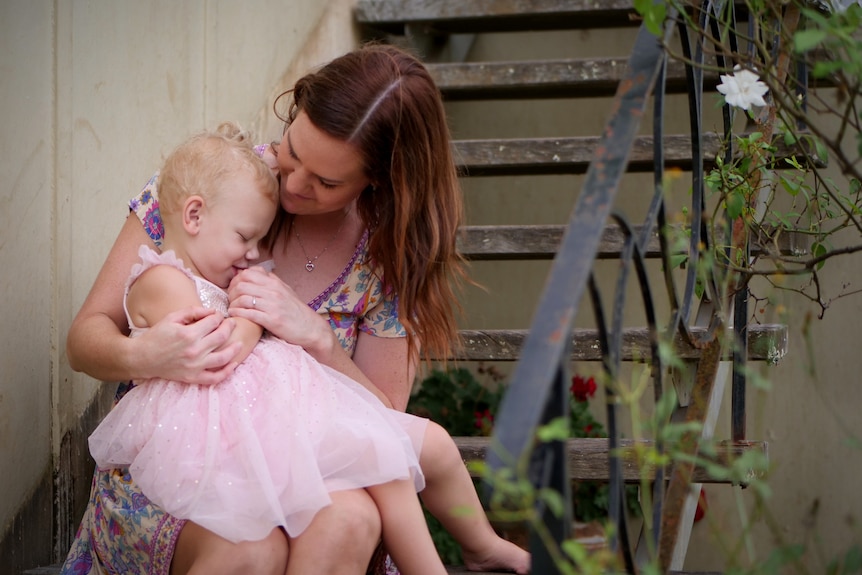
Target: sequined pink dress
{"x":262,"y":449}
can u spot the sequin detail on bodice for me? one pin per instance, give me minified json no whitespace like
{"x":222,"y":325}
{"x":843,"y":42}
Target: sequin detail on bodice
{"x":212,"y":296}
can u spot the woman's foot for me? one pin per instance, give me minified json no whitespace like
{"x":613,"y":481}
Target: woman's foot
{"x":502,"y":556}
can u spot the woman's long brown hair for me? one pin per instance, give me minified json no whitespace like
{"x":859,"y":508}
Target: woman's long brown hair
{"x":382,"y":100}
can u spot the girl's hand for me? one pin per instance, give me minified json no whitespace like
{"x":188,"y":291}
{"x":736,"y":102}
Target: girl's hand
{"x":190,"y":345}
{"x":261,"y":297}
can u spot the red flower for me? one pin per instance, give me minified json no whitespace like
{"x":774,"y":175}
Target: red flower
{"x":702,"y":506}
{"x":582,"y":389}
{"x":484,"y":420}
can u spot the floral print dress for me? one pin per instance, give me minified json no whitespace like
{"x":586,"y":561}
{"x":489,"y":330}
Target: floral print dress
{"x":122,"y":532}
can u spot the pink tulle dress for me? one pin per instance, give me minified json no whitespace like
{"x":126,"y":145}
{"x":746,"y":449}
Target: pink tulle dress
{"x":262,"y":449}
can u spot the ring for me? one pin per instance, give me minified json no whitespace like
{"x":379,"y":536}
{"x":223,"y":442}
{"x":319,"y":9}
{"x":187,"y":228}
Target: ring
{"x":253,"y":301}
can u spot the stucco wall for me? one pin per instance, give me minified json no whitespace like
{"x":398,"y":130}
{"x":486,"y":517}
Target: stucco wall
{"x":93,"y":95}
{"x":26,"y":199}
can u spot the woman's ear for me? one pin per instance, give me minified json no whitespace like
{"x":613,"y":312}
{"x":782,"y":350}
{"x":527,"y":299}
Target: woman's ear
{"x":193,"y":211}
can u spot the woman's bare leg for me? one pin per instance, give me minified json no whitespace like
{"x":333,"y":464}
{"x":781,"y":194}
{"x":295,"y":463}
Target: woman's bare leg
{"x":405,"y":531}
{"x":340,"y":540}
{"x":200,"y":551}
{"x":451,"y":497}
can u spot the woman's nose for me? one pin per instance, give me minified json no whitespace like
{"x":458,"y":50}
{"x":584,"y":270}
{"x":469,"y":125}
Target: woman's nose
{"x":296,"y":181}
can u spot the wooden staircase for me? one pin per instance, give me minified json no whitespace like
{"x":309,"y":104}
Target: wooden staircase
{"x":441,"y":31}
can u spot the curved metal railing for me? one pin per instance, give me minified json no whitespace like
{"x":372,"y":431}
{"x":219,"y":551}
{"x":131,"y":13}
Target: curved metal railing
{"x":538,"y":389}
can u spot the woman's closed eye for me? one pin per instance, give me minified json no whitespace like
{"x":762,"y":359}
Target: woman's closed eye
{"x":327,"y":184}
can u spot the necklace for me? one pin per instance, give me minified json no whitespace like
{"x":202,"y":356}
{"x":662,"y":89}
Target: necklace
{"x":309,"y":262}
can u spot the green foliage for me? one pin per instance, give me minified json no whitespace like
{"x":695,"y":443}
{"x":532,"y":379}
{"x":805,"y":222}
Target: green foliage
{"x":466,"y":406}
{"x":766,"y":196}
{"x":766,"y":199}
{"x":458,"y":401}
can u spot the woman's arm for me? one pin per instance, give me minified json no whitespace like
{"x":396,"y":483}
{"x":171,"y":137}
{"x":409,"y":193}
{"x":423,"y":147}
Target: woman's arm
{"x":379,"y":364}
{"x":384,"y":361}
{"x":187,"y":345}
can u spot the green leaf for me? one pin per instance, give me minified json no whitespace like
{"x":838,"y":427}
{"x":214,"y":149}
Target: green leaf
{"x":806,"y":40}
{"x":823,"y":69}
{"x":791,"y":186}
{"x":853,"y":561}
{"x":653,"y":15}
{"x":782,"y":556}
{"x":817,"y":250}
{"x":556,"y":430}
{"x":853,"y":442}
{"x":734,"y":202}
{"x":820,"y":149}
{"x":575,"y":551}
{"x":553,"y":500}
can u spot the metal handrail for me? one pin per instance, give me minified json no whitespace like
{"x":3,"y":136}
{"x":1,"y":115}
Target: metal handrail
{"x":537,"y":392}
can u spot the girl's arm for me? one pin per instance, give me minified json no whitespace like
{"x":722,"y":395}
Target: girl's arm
{"x":187,"y":345}
{"x":163,"y":289}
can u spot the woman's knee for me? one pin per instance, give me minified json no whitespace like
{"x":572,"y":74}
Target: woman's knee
{"x":201,"y":551}
{"x":354,"y":513}
{"x":341,"y":538}
{"x":267,"y":556}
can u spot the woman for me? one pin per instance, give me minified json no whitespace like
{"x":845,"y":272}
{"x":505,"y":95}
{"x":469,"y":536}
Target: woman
{"x":370,"y":210}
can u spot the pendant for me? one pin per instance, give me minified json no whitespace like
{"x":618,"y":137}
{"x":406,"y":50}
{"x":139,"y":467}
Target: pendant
{"x":309,"y":266}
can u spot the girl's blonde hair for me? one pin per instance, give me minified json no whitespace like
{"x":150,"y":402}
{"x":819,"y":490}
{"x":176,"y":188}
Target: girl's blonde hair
{"x":201,"y":163}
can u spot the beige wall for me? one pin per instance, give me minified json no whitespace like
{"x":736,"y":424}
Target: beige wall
{"x":26,"y":247}
{"x":92,"y":96}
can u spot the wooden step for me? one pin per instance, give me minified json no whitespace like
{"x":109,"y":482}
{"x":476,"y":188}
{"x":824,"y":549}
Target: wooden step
{"x":458,"y":16}
{"x":766,"y":342}
{"x":572,"y":155}
{"x":588,"y":458}
{"x":566,"y":78}
{"x":540,"y":242}
{"x":48,"y":570}
{"x":554,"y":78}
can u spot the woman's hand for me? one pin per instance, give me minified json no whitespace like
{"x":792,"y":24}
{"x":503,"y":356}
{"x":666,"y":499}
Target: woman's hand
{"x":189,"y":345}
{"x":261,"y":297}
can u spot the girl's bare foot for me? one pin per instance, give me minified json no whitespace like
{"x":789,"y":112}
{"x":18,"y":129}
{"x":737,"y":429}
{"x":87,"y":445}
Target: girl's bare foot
{"x":502,"y":556}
